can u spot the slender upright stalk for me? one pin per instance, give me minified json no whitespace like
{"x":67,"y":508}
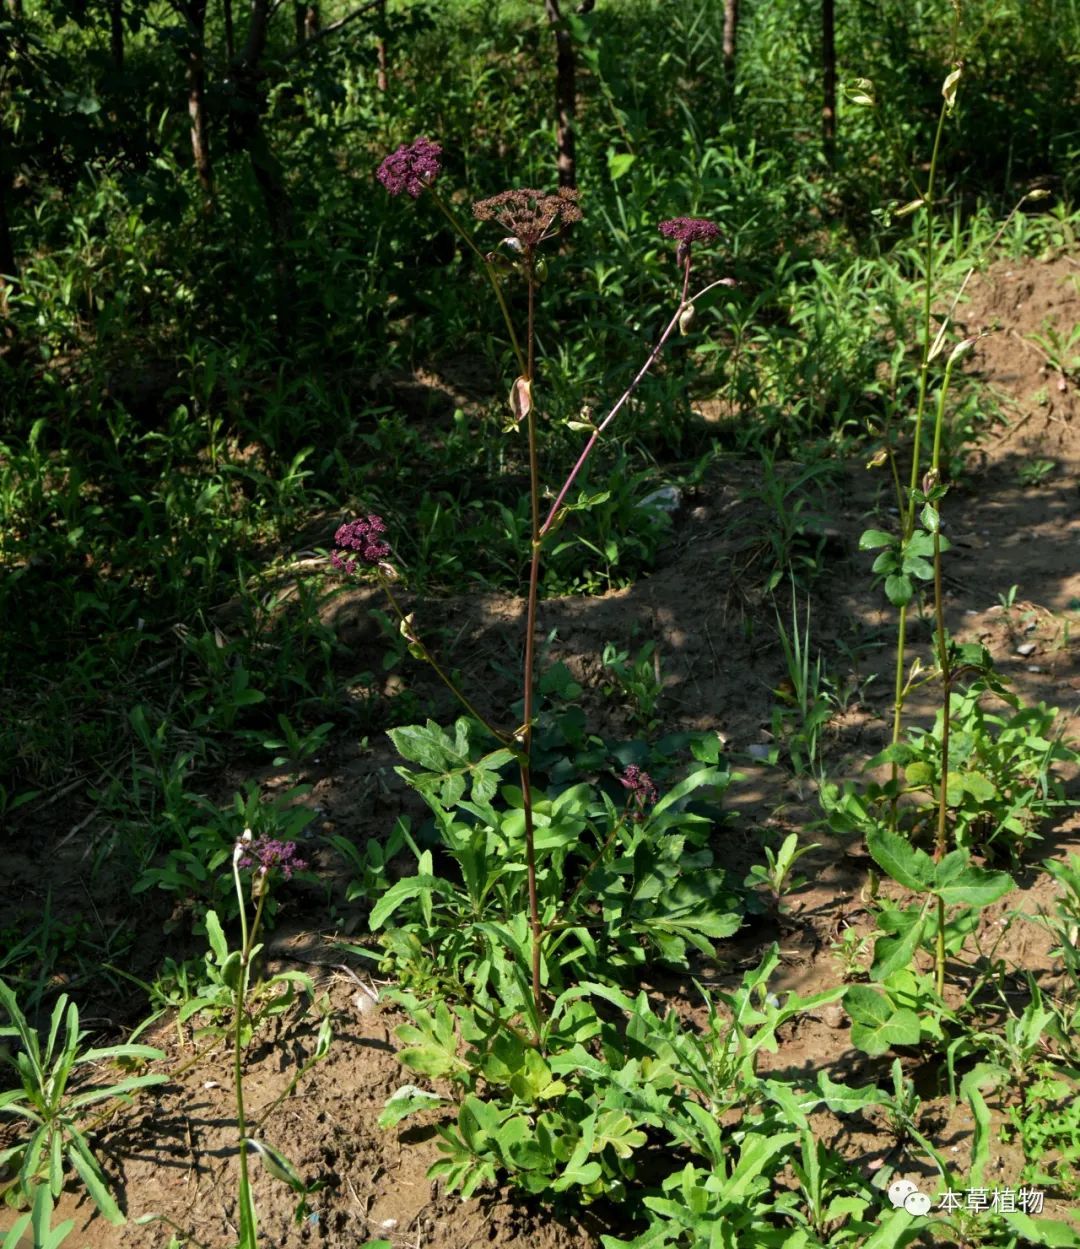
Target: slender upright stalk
{"x":440,"y":672}
{"x":530,"y":643}
{"x":924,"y":371}
{"x":944,"y":666}
{"x":247,"y":1206}
{"x":594,"y":437}
{"x":492,"y":277}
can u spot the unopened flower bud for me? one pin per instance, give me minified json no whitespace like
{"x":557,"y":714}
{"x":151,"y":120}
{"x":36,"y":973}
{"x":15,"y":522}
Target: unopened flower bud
{"x":930,"y":481}
{"x":687,"y":319}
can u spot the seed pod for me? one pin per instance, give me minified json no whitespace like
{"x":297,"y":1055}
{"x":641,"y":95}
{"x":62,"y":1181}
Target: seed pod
{"x":687,"y":318}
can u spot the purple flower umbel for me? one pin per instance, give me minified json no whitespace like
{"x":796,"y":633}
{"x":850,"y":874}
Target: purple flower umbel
{"x":529,"y":215}
{"x":361,"y":542}
{"x":642,"y":789}
{"x":265,"y":853}
{"x":411,"y":168}
{"x":690,"y":230}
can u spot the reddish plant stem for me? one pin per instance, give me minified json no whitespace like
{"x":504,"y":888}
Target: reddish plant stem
{"x":684,"y":302}
{"x":530,"y":651}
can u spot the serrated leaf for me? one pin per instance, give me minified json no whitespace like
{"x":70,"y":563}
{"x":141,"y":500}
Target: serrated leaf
{"x":969,"y":885}
{"x":898,"y":858}
{"x":893,"y":953}
{"x":842,"y":1099}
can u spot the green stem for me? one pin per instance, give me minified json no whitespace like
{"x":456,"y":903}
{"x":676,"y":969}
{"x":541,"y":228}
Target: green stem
{"x":924,"y":369}
{"x":247,"y":1206}
{"x":492,"y":277}
{"x":440,"y":672}
{"x":943,"y":663}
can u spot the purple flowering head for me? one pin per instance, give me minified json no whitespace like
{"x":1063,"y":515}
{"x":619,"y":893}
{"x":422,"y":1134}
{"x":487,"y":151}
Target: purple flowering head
{"x":360,"y":544}
{"x":411,"y":168}
{"x":265,"y":853}
{"x":689,"y":230}
{"x":641,"y":789}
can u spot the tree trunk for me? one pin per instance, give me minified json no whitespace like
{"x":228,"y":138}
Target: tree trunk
{"x":382,"y":80}
{"x":196,"y":85}
{"x":731,"y":31}
{"x":306,"y":21}
{"x":230,"y":38}
{"x":828,"y":77}
{"x":14,"y":9}
{"x":116,"y":34}
{"x":565,"y":95}
{"x":265,"y":166}
{"x":9,"y":266}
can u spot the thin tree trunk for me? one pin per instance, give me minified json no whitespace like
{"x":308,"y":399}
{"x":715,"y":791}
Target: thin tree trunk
{"x":9,"y":266}
{"x":382,"y":80}
{"x":306,"y":20}
{"x":14,"y":9}
{"x":265,"y":166}
{"x":731,"y":31}
{"x":828,"y":76}
{"x":116,"y":34}
{"x":196,"y":85}
{"x":565,"y":95}
{"x":230,"y":38}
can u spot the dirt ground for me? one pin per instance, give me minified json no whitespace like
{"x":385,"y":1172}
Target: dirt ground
{"x":173,"y":1151}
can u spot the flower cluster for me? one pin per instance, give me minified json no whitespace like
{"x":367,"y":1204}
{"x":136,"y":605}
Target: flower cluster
{"x":690,"y":230}
{"x":527,"y":215}
{"x":266,"y":852}
{"x":411,"y":168}
{"x":642,"y":789}
{"x":361,"y":542}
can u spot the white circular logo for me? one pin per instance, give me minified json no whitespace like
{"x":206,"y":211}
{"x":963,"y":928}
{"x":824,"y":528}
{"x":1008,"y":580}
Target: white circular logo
{"x":900,"y":1191}
{"x":917,"y":1203}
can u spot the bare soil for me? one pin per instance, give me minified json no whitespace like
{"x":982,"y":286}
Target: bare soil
{"x":173,"y":1151}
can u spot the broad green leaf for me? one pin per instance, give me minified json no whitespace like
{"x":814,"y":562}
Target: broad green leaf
{"x":899,"y":859}
{"x":619,"y":163}
{"x":871,"y":539}
{"x":892,"y":953}
{"x":899,"y":589}
{"x":966,"y":885}
{"x":875,"y":1025}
